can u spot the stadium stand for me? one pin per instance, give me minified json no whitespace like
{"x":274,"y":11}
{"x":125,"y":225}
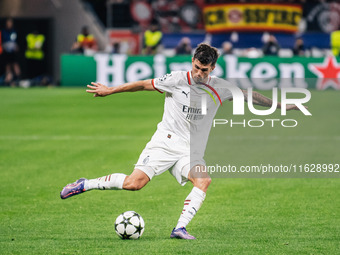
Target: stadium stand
{"x":177,"y":19}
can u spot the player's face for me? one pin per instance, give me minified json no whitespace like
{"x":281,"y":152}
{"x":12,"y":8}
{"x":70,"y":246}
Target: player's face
{"x":200,"y":72}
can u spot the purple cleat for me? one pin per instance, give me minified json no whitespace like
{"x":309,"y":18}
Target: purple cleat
{"x":181,"y":233}
{"x":73,"y":189}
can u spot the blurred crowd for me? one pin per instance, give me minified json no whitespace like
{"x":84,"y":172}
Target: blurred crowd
{"x":35,"y":71}
{"x":85,"y":43}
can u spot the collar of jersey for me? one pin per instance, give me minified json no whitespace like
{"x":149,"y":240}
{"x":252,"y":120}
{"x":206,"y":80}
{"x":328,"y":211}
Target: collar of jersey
{"x":191,"y":80}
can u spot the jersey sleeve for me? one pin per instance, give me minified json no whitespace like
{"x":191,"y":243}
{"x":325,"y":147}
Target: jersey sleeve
{"x":226,"y":94}
{"x":165,"y":83}
{"x":223,"y":89}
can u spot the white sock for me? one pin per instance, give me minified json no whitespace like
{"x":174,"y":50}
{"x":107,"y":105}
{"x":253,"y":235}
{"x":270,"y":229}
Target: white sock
{"x":192,"y":204}
{"x":111,"y":181}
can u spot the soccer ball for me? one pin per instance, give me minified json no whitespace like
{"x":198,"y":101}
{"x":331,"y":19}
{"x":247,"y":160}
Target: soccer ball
{"x":129,"y":225}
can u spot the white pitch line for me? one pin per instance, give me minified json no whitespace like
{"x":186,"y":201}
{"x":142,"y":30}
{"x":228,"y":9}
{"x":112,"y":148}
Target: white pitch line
{"x":130,"y":137}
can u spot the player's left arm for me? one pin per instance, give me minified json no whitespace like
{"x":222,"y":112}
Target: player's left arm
{"x":259,"y":99}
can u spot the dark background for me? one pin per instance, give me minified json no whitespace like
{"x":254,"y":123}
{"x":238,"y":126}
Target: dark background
{"x":23,"y":27}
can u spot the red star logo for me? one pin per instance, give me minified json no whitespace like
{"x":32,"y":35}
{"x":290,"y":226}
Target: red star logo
{"x":328,"y":73}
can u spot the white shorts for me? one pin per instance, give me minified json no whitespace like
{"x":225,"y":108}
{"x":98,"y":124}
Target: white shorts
{"x":167,"y":151}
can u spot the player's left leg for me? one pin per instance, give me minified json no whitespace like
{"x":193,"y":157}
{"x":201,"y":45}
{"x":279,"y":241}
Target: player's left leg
{"x":201,"y":181}
{"x":137,"y":180}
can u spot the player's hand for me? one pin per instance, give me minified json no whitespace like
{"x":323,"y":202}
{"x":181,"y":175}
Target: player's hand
{"x":98,"y":89}
{"x":293,"y":107}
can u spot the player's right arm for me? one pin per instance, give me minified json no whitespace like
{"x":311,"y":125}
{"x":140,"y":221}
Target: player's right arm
{"x":100,"y":90}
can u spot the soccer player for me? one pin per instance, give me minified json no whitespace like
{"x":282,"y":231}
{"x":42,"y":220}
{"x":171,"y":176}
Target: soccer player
{"x":179,"y":143}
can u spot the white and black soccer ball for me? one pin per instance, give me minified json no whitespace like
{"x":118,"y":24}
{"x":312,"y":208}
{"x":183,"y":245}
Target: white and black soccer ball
{"x":129,"y":225}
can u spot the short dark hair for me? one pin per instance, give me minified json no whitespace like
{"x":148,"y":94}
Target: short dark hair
{"x":206,"y":54}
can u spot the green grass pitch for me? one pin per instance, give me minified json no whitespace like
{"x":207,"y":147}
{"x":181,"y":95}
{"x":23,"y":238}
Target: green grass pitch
{"x":50,"y":137}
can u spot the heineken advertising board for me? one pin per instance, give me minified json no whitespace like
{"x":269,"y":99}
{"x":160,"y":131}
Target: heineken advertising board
{"x":260,"y":73}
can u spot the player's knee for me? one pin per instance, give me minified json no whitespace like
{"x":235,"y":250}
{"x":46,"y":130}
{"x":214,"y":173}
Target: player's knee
{"x":209,"y":181}
{"x":202,"y":183}
{"x":206,"y":182}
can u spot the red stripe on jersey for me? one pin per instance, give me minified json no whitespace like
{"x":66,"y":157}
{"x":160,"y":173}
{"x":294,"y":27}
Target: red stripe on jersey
{"x":105,"y":177}
{"x":187,"y":200}
{"x":109,"y":177}
{"x":186,"y":203}
{"x":188,"y":76}
{"x":153,"y":85}
{"x":213,"y":90}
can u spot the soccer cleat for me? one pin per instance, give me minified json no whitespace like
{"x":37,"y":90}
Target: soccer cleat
{"x":181,"y":233}
{"x":73,"y":189}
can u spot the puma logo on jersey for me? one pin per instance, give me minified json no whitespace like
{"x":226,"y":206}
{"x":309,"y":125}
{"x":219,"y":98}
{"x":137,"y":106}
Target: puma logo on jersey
{"x":186,"y":94}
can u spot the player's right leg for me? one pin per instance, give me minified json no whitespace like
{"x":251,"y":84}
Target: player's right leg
{"x":137,"y":180}
{"x":201,"y":181}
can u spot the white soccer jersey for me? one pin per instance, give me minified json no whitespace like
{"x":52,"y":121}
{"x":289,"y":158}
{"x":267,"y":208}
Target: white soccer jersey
{"x":183,"y":107}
